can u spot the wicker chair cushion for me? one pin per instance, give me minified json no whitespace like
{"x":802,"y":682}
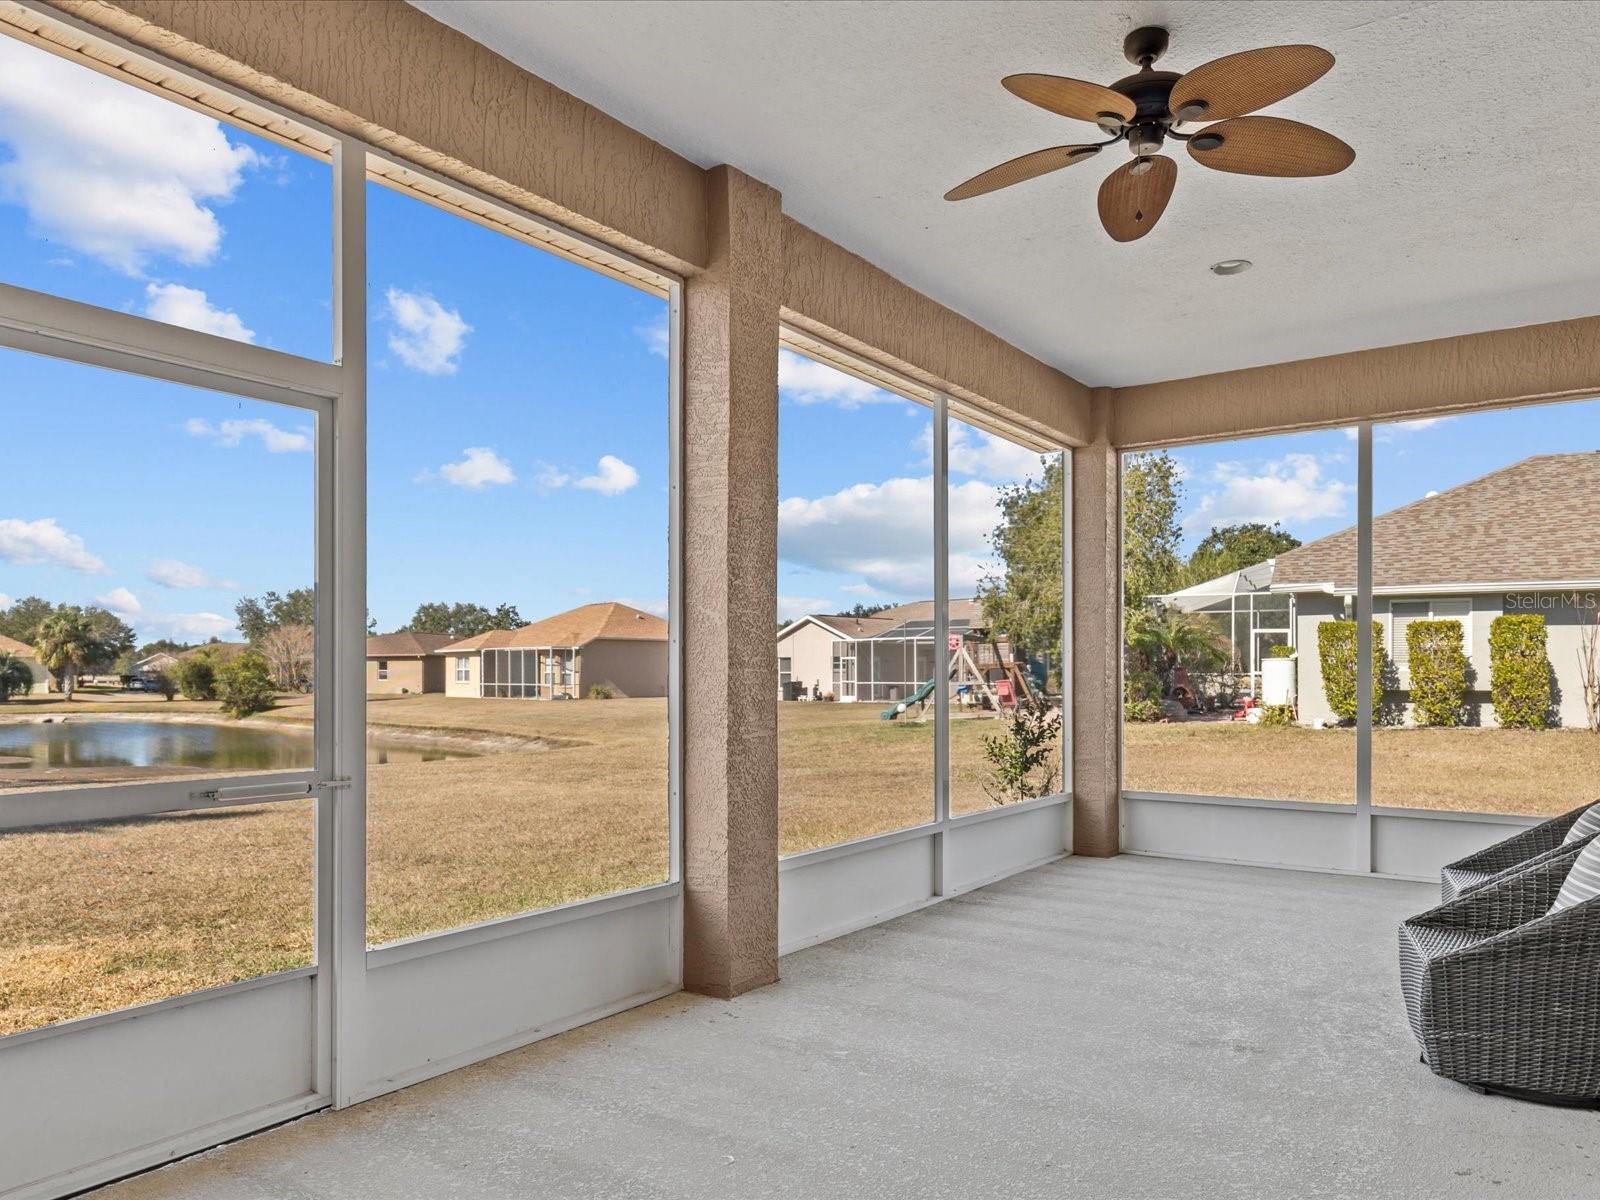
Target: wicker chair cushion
{"x":1583,"y":881}
{"x":1585,"y":825}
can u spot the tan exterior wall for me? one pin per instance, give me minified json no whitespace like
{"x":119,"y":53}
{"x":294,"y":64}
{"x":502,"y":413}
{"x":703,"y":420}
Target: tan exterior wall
{"x":474,"y":669}
{"x":810,"y":650}
{"x":634,"y":668}
{"x":1097,"y":639}
{"x":413,"y":675}
{"x":1560,"y":360}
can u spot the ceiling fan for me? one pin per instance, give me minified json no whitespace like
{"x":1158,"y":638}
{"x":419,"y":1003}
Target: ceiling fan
{"x":1147,"y":107}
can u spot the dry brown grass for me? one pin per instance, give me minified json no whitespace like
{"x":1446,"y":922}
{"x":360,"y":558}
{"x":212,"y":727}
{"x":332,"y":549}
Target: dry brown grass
{"x":1477,"y":770}
{"x":97,"y":917}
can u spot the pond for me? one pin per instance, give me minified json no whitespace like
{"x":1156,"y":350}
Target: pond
{"x":145,"y":744}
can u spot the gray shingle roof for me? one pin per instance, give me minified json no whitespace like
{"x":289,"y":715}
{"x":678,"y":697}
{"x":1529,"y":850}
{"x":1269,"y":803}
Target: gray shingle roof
{"x":1536,"y":521}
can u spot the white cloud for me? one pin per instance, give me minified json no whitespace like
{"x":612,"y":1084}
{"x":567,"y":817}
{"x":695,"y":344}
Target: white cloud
{"x":1292,"y":488}
{"x":34,"y":543}
{"x":1388,"y":431}
{"x":550,"y":478}
{"x":882,"y":533}
{"x":480,"y":467}
{"x":233,"y":432}
{"x":655,"y":335}
{"x":974,"y":452}
{"x":111,"y":171}
{"x":186,"y":306}
{"x":807,"y":381}
{"x":427,"y":336}
{"x":171,"y":573}
{"x":120,"y":601}
{"x":655,"y":604}
{"x":792,"y":608}
{"x":612,"y":477}
{"x":5,"y":602}
{"x":186,"y":627}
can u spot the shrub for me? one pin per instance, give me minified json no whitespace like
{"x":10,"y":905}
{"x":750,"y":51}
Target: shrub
{"x":1519,"y":671}
{"x":1143,"y":710}
{"x":244,"y":684}
{"x":1438,"y":672}
{"x":1277,"y":714}
{"x":602,"y":691}
{"x":165,"y":684}
{"x":1022,"y":761}
{"x":197,"y":676}
{"x":16,"y":677}
{"x":1336,"y":648}
{"x":1280,"y":651}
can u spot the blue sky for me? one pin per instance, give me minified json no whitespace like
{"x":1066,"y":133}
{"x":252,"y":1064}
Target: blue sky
{"x":1307,"y":481}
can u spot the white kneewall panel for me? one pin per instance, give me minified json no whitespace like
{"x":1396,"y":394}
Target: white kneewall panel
{"x":123,"y":1085}
{"x":983,"y":848}
{"x":433,"y":1012}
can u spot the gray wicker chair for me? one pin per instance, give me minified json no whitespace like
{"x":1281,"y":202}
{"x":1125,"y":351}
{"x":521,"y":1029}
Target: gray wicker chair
{"x":1475,"y":870}
{"x":1503,"y":994}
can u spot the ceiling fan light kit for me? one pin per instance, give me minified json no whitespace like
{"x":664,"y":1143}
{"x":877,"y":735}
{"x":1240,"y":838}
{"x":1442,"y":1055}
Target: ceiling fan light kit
{"x":1145,"y":109}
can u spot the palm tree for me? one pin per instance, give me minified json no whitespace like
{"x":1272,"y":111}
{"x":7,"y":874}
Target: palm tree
{"x":1170,"y":639}
{"x":66,"y":643}
{"x":16,"y":677}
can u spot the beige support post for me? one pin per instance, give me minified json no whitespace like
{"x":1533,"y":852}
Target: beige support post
{"x":1097,"y":637}
{"x":730,"y":487}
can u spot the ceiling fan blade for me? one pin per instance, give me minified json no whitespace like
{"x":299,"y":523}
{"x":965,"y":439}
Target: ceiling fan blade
{"x":1270,"y":146}
{"x":1069,"y":97}
{"x":1026,"y":166}
{"x":1241,"y":83}
{"x":1130,"y":205}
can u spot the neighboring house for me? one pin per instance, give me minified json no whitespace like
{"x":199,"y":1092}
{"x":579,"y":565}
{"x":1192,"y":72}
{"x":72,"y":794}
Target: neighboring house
{"x":406,"y":663}
{"x":884,"y":657}
{"x":563,"y":656}
{"x":159,"y":663}
{"x":1524,"y":539}
{"x":42,"y":682}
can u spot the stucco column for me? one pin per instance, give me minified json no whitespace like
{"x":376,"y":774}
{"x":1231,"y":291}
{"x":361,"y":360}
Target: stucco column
{"x":1097,"y":637}
{"x":730,"y":679}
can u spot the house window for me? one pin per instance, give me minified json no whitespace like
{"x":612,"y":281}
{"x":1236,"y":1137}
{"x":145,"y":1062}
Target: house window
{"x":463,"y":670}
{"x":383,"y":668}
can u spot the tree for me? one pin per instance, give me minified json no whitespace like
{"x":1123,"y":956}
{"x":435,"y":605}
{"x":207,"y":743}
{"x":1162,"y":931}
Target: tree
{"x":866,"y":610}
{"x":1151,"y":493}
{"x":1022,"y":761}
{"x":114,"y":636}
{"x":257,"y":618}
{"x":1229,"y":548}
{"x":1162,"y":642}
{"x":196,"y":675}
{"x":165,"y":684}
{"x":66,"y":644}
{"x":289,"y":652}
{"x":21,"y":619}
{"x":244,"y":684}
{"x":16,"y":677}
{"x":1027,"y":602}
{"x":162,"y":646}
{"x":462,"y":620}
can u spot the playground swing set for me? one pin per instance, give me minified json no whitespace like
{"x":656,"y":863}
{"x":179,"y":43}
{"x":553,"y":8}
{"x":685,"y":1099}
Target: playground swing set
{"x":993,"y":679}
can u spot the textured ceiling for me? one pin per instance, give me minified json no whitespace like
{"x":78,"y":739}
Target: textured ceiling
{"x":1472,"y":204}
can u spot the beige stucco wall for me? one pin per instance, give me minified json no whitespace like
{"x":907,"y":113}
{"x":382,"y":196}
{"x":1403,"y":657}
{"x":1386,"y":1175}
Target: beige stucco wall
{"x":411,"y":675}
{"x":1560,"y":360}
{"x":470,"y":686}
{"x":634,"y":668}
{"x":811,"y":650}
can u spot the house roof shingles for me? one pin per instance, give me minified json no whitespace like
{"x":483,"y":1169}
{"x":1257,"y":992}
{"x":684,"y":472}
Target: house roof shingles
{"x":608,"y":621}
{"x":407,"y":644}
{"x":1531,"y":522}
{"x":10,"y":645}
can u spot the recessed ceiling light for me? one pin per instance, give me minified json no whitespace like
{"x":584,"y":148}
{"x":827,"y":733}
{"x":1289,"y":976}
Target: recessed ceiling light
{"x":1230,"y":266}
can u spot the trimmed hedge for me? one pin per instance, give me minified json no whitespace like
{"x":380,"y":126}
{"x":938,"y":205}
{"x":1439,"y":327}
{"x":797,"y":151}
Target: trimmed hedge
{"x":1519,"y":671}
{"x":1438,"y":672}
{"x":1336,"y":648}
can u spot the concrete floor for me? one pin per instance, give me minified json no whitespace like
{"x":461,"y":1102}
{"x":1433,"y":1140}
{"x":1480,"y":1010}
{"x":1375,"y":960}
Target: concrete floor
{"x":1107,"y":1029}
